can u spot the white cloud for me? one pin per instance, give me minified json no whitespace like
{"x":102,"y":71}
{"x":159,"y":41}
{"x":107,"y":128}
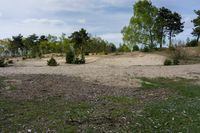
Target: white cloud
{"x":99,"y":17}
{"x":44,"y":21}
{"x":112,"y":37}
{"x":82,"y":21}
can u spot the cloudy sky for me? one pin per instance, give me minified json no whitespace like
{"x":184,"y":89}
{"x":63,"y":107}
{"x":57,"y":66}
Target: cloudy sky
{"x":104,"y":18}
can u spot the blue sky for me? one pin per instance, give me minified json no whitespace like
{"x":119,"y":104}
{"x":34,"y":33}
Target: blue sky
{"x":104,"y":18}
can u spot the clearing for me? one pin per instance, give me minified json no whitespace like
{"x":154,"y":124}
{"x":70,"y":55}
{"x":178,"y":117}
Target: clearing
{"x":107,"y":94}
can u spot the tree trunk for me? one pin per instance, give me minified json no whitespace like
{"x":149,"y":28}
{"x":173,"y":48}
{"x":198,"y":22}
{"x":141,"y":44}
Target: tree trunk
{"x":170,"y":39}
{"x":198,"y":39}
{"x":151,"y":39}
{"x":161,"y":39}
{"x":161,"y":42}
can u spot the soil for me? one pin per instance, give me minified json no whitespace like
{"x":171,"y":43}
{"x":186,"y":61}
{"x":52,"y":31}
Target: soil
{"x":110,"y":70}
{"x":27,"y":87}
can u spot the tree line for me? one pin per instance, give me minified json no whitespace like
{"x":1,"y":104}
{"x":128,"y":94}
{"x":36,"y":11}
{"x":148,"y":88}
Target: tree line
{"x":151,"y":26}
{"x":36,"y":46}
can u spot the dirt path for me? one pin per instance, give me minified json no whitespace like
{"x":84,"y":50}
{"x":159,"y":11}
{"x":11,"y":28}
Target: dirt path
{"x":122,"y":70}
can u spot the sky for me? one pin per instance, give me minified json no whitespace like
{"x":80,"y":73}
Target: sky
{"x":103,"y":18}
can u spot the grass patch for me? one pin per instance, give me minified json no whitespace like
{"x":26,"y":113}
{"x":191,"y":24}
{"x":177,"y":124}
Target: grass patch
{"x":120,"y":99}
{"x":57,"y":114}
{"x":184,"y":87}
{"x":180,"y":113}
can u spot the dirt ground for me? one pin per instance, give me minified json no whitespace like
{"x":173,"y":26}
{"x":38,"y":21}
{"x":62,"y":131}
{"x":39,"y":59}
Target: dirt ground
{"x":27,"y":87}
{"x":111,"y":70}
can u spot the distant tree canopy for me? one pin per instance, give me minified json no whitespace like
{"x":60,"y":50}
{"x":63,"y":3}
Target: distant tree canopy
{"x":150,"y":25}
{"x":196,"y":21}
{"x":35,"y":46}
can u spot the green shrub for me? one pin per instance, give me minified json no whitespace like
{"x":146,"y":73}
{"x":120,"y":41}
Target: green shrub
{"x":167,"y":62}
{"x":79,"y":61}
{"x":52,"y":62}
{"x":124,"y":48}
{"x":136,"y":48}
{"x":70,"y":55}
{"x":176,"y":62}
{"x":2,"y":62}
{"x":192,"y":43}
{"x":10,"y":62}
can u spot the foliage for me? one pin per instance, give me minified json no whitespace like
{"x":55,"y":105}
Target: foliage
{"x":10,"y":62}
{"x":192,"y":43}
{"x":136,"y":48}
{"x":161,"y":23}
{"x":145,"y":49}
{"x":97,"y":45}
{"x":150,"y":25}
{"x":2,"y":62}
{"x":176,"y":62}
{"x":52,"y":62}
{"x":123,"y":48}
{"x":174,"y":25}
{"x":167,"y":62}
{"x":70,"y":55}
{"x":196,"y":21}
{"x":79,"y":61}
{"x":142,"y":24}
{"x":80,"y":39}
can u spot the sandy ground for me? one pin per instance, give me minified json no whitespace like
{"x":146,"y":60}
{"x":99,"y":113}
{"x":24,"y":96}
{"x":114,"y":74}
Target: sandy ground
{"x":111,"y":70}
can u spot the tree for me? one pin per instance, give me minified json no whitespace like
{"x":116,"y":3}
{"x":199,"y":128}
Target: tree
{"x":43,"y":44}
{"x":80,"y":40}
{"x":64,"y":42}
{"x":161,"y":24}
{"x":196,"y":30}
{"x":174,"y":25}
{"x":32,"y":42}
{"x":17,"y":43}
{"x":142,"y":24}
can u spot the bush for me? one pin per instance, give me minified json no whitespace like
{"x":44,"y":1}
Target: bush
{"x":52,"y":62}
{"x":10,"y":62}
{"x":192,"y":43}
{"x":70,"y":56}
{"x":2,"y":62}
{"x":124,"y":48}
{"x":167,"y":62}
{"x":136,"y":48}
{"x":79,"y":61}
{"x":176,"y":62}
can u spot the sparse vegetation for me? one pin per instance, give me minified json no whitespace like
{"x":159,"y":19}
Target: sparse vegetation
{"x":2,"y":62}
{"x":120,"y":92}
{"x":176,"y":62}
{"x":109,"y":113}
{"x":136,"y":48}
{"x":52,"y":62}
{"x":167,"y":62}
{"x":70,"y":55}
